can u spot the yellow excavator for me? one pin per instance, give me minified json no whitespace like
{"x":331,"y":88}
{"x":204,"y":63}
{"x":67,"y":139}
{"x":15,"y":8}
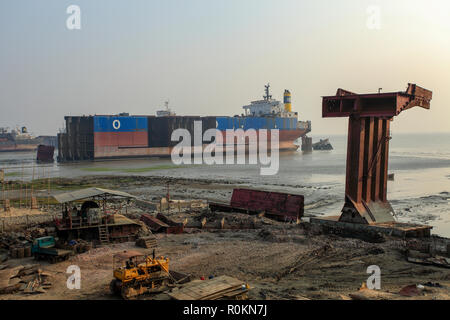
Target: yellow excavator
{"x":136,"y":274}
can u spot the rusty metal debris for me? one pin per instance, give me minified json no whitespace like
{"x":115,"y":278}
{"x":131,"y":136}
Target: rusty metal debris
{"x":45,"y":153}
{"x":281,"y":206}
{"x":428,"y":258}
{"x":161,"y":223}
{"x":147,"y":242}
{"x":222,"y":287}
{"x":27,"y":279}
{"x":322,"y":145}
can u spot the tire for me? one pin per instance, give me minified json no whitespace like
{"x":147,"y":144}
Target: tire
{"x":125,"y":292}
{"x":115,"y":287}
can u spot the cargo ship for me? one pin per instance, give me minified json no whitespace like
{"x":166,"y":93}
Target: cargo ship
{"x":21,"y":140}
{"x":125,"y":136}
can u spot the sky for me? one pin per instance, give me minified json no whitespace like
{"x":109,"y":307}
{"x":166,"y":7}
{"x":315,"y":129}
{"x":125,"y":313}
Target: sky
{"x":211,"y":57}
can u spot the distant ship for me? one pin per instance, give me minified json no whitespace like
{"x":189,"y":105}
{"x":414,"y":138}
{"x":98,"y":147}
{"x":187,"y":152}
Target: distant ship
{"x":125,"y":136}
{"x":166,"y":112}
{"x":20,"y":140}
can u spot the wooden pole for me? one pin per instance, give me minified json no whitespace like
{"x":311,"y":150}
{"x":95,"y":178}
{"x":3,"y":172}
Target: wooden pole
{"x":6,"y":191}
{"x":31,"y":192}
{"x":26,"y":195}
{"x":48,"y":188}
{"x":2,"y":180}
{"x":168,"y":197}
{"x":21,"y":185}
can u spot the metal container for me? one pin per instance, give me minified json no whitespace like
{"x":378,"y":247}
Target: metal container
{"x":20,"y":252}
{"x":27,"y":251}
{"x":13,"y":252}
{"x":283,"y":205}
{"x":120,"y":131}
{"x":45,"y":153}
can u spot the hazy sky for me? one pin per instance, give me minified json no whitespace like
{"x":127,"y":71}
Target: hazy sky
{"x":211,"y":57}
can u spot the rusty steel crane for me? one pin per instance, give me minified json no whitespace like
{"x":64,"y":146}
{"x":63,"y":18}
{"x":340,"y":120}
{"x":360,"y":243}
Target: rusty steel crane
{"x":370,"y":116}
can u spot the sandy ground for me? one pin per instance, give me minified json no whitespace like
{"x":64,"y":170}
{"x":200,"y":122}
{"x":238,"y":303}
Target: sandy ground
{"x":17,"y":212}
{"x":278,"y":260}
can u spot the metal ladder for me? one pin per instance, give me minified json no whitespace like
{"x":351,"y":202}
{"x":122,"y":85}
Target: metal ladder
{"x":103,"y":234}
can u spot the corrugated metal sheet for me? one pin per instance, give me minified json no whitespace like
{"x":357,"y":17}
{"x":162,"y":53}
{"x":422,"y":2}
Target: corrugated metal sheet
{"x":89,"y":193}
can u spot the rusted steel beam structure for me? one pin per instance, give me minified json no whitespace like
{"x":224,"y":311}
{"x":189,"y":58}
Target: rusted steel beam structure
{"x":370,"y":116}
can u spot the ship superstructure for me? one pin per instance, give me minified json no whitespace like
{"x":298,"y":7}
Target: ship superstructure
{"x":269,"y":114}
{"x":270,"y":107}
{"x":166,"y":112}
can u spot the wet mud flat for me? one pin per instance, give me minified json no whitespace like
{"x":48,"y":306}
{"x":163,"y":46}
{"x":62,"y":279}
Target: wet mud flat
{"x":319,"y":199}
{"x":152,"y":188}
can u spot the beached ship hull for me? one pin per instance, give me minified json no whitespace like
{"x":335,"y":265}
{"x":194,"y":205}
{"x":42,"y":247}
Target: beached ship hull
{"x":9,"y":143}
{"x":125,"y":136}
{"x":112,"y":137}
{"x":12,"y":147}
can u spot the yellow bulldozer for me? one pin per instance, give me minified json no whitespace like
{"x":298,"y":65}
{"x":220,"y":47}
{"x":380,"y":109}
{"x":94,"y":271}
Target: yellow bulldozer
{"x":136,"y":274}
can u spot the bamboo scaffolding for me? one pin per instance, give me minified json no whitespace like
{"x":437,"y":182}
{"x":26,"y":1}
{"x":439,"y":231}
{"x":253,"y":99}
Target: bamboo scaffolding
{"x":2,"y":176}
{"x":31,"y":191}
{"x":48,"y":190}
{"x":26,"y":195}
{"x":21,"y":186}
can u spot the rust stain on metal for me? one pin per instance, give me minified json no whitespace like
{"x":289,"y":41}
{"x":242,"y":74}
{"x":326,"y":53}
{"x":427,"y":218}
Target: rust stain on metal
{"x":282,"y":206}
{"x":370,"y":116}
{"x":161,"y":223}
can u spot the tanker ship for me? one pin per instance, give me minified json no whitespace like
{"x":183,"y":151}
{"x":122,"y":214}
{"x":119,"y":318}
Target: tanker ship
{"x":21,"y":140}
{"x":124,"y":136}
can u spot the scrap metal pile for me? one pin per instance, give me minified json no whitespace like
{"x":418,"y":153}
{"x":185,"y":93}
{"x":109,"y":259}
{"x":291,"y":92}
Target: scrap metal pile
{"x":219,"y":288}
{"x":26,"y":279}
